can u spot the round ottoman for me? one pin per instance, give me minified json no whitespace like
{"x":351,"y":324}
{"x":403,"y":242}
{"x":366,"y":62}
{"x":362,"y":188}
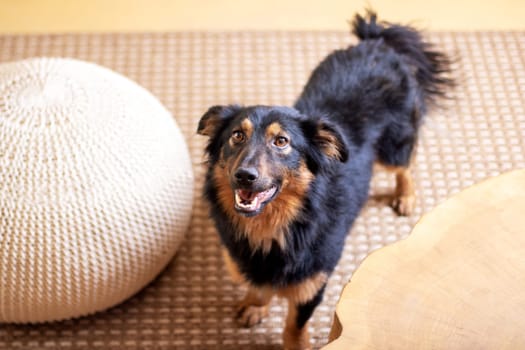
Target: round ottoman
{"x":96,"y":189}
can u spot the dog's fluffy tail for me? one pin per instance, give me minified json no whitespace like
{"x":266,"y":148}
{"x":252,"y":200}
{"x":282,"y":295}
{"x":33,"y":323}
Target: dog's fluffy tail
{"x":433,"y":67}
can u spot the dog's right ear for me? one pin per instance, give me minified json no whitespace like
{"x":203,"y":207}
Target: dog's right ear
{"x":215,"y":117}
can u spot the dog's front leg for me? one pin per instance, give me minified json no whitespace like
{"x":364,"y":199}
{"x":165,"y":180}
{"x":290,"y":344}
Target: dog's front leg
{"x":295,"y":336}
{"x":254,"y":307}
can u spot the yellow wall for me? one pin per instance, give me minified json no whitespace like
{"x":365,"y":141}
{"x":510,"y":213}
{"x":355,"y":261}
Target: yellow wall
{"x":167,"y":15}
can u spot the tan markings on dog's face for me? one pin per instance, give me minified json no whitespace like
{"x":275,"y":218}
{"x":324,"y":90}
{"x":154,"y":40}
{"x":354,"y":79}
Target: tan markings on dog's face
{"x":275,"y":134}
{"x":272,"y":223}
{"x":246,"y":128}
{"x":273,"y":130}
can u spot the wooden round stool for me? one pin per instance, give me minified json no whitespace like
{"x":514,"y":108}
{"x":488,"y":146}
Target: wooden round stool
{"x":457,"y":282}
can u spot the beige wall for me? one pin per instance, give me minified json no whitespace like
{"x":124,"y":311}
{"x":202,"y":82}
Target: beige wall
{"x":167,"y":15}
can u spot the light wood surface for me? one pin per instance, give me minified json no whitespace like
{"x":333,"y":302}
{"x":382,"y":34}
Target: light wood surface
{"x":457,"y":282}
{"x":43,"y":16}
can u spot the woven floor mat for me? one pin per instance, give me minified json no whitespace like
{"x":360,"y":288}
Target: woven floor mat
{"x":479,"y":134}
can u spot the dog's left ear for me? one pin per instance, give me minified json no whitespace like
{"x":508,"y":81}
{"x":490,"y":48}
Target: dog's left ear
{"x":215,"y":117}
{"x":330,"y":141}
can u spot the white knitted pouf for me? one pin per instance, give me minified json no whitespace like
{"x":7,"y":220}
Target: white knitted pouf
{"x":96,"y":189}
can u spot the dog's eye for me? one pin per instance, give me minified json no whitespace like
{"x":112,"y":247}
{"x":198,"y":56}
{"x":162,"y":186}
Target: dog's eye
{"x":238,"y":136}
{"x":281,"y":141}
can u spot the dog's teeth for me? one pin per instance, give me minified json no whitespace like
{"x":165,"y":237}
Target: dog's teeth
{"x":251,"y":201}
{"x":246,"y":204}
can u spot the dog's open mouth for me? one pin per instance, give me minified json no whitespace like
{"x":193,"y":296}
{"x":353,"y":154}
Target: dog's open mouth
{"x":250,"y":203}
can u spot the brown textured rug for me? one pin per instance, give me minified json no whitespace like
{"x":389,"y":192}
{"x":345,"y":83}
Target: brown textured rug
{"x":480,"y":133}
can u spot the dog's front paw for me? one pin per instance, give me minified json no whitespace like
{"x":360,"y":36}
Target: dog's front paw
{"x":404,"y":204}
{"x":249,"y":315}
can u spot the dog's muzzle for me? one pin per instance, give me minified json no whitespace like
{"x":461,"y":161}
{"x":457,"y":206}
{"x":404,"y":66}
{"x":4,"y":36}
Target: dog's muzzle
{"x":249,"y":197}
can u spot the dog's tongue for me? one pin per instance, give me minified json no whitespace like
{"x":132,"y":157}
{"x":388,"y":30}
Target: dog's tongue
{"x":249,"y":201}
{"x":247,"y":196}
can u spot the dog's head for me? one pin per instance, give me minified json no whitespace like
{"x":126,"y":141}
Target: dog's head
{"x":265,"y":154}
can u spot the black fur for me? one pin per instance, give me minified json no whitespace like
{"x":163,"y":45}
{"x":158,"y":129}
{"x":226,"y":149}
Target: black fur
{"x":305,"y":311}
{"x":371,"y":99}
{"x":334,"y":199}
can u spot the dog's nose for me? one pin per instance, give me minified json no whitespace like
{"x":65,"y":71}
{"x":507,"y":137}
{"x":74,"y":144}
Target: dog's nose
{"x":246,"y":175}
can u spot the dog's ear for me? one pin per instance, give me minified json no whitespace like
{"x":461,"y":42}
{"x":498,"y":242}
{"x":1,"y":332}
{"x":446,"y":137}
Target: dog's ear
{"x":215,"y":117}
{"x":329,"y":140}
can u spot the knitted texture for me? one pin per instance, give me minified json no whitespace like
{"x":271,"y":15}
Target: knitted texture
{"x":96,"y":189}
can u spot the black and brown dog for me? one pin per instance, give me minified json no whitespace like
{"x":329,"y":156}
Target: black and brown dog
{"x":285,"y":184}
